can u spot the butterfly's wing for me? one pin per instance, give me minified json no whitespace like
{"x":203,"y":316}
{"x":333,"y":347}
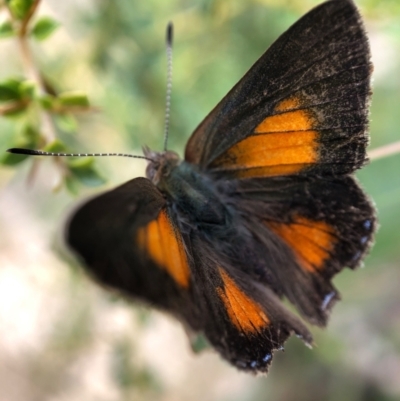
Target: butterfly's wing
{"x":129,"y":240}
{"x":298,"y":115}
{"x":308,"y":230}
{"x":243,"y":320}
{"x":301,"y":108}
{"x":281,"y":145}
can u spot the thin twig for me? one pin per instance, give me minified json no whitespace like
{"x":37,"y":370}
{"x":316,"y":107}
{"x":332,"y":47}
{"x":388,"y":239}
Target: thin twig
{"x":47,"y":126}
{"x":384,"y":151}
{"x":24,"y":26}
{"x":32,"y":72}
{"x":12,"y":107}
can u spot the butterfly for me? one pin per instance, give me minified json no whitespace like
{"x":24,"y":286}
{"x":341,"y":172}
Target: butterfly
{"x":263,"y":207}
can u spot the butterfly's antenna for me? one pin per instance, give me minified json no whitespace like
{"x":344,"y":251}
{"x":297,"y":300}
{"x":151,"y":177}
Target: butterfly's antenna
{"x":32,"y":152}
{"x":169,"y":39}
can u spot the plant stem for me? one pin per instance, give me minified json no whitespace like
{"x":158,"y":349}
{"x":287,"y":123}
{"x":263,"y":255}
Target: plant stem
{"x":384,"y":151}
{"x":32,"y":72}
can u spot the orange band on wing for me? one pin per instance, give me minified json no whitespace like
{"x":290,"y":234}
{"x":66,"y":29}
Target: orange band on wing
{"x":288,"y":104}
{"x":310,"y":240}
{"x":244,"y":313}
{"x":282,"y":144}
{"x":275,"y":149}
{"x":165,"y":247}
{"x":288,"y":119}
{"x":269,"y":171}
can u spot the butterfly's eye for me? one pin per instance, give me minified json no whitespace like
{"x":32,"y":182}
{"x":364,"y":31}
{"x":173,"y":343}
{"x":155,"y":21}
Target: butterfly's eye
{"x":165,"y":169}
{"x":151,"y":171}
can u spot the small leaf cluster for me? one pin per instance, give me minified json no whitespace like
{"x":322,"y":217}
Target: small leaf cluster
{"x":21,"y":12}
{"x":30,"y":100}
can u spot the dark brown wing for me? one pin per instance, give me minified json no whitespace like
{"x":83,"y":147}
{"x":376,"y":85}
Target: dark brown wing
{"x":244,"y":321}
{"x":301,"y":108}
{"x":307,"y":230}
{"x":129,"y":240}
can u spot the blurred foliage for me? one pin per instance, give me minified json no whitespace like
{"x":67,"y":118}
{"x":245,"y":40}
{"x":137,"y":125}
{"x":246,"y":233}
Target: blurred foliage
{"x":33,"y":99}
{"x":113,"y":52}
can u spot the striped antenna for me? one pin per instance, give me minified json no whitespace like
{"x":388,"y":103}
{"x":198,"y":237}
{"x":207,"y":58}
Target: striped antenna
{"x":169,"y":40}
{"x":32,"y":152}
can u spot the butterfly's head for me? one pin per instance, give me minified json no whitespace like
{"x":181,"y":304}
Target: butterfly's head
{"x":160,"y":164}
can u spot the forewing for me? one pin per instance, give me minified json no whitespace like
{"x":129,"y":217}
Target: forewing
{"x":308,"y":230}
{"x":301,"y":108}
{"x":129,"y":240}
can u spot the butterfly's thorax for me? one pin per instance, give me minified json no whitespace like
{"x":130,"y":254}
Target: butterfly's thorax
{"x":191,"y":192}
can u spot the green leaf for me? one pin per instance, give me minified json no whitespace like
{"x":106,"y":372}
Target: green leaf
{"x":14,"y":89}
{"x":56,"y":147}
{"x":83,"y":169}
{"x":81,"y":163}
{"x":10,"y":90}
{"x":74,"y":99}
{"x":19,"y":8}
{"x":44,"y":27}
{"x":27,"y":90}
{"x":66,"y":122}
{"x":31,"y":134}
{"x":17,"y":94}
{"x":11,"y":159}
{"x":28,"y":138}
{"x":47,"y":101}
{"x":6,"y":29}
